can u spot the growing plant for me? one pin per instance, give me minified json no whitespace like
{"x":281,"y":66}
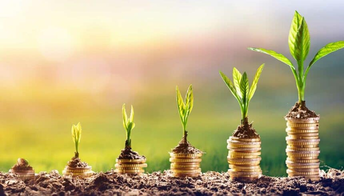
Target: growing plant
{"x":241,"y":90}
{"x":185,"y":108}
{"x":299,"y":43}
{"x":76,"y":136}
{"x":128,"y":125}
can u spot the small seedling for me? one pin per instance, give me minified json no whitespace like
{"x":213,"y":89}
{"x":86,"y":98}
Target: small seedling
{"x":185,"y":108}
{"x":299,"y":44}
{"x":241,"y":90}
{"x":128,"y":124}
{"x":76,"y":136}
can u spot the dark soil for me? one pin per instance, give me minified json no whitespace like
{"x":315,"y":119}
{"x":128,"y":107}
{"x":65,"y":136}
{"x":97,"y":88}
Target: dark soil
{"x":75,"y":162}
{"x":128,"y":153}
{"x":245,"y":131}
{"x":300,"y":111}
{"x":157,"y":183}
{"x":21,"y":164}
{"x":184,"y":147}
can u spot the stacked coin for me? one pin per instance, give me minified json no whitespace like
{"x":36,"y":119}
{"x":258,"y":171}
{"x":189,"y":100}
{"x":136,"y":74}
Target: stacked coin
{"x":24,"y":174}
{"x":303,"y":148}
{"x":81,"y":172}
{"x":185,"y":165}
{"x":244,"y":159}
{"x":130,"y":166}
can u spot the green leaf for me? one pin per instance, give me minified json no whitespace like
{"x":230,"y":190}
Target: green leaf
{"x":255,"y":82}
{"x":236,"y":80}
{"x":328,"y":49}
{"x":276,"y":55}
{"x":180,"y":103}
{"x":299,"y":38}
{"x":125,"y":117}
{"x":230,"y":86}
{"x":131,"y":118}
{"x":189,"y":99}
{"x":244,"y":87}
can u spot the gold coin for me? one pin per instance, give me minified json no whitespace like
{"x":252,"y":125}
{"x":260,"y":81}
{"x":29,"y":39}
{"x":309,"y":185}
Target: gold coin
{"x":131,"y":166}
{"x":235,"y":161}
{"x":300,"y":131}
{"x":244,"y":173}
{"x":130,"y":161}
{"x":303,"y":173}
{"x":186,"y":160}
{"x":181,"y":155}
{"x":184,"y":166}
{"x":241,"y":149}
{"x":236,"y":168}
{"x":232,"y":138}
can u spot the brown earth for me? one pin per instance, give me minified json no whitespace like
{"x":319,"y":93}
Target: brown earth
{"x":21,"y":164}
{"x":245,"y":130}
{"x":300,"y":111}
{"x":128,"y":153}
{"x":75,"y":162}
{"x":184,"y":147}
{"x":157,"y":183}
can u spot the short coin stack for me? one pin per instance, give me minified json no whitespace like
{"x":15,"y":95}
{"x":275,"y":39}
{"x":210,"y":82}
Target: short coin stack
{"x":303,"y":148}
{"x":81,"y":172}
{"x":244,"y":159}
{"x":130,"y":166}
{"x":24,"y":174}
{"x":183,"y":165}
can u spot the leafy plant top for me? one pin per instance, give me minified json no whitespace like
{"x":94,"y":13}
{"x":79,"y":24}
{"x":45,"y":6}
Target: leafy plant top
{"x":76,"y":136}
{"x":128,"y":124}
{"x":299,"y":44}
{"x":241,"y":90}
{"x":184,"y":106}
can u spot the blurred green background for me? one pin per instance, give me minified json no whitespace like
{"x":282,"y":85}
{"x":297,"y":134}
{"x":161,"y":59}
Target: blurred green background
{"x":64,"y":62}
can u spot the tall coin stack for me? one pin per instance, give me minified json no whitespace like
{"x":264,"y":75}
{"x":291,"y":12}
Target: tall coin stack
{"x":244,"y":159}
{"x":303,"y":148}
{"x":130,"y":166}
{"x":183,"y":165}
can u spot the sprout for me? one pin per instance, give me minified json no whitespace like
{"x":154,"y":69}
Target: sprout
{"x":185,"y":107}
{"x":241,"y":90}
{"x":76,"y":136}
{"x":299,"y":44}
{"x":128,"y":125}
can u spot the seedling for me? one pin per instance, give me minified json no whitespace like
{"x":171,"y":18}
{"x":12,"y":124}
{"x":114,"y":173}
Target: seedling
{"x":185,"y":108}
{"x":299,"y":44}
{"x":76,"y":136}
{"x":241,"y":90}
{"x":128,"y":124}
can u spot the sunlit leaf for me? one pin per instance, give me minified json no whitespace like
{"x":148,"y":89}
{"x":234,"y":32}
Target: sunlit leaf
{"x":328,"y":49}
{"x":255,"y":82}
{"x":236,"y":80}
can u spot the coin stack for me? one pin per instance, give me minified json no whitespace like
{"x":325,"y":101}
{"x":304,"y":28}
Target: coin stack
{"x":244,"y":158}
{"x":81,"y":172}
{"x":303,"y":148}
{"x":130,"y":166}
{"x":185,"y":165}
{"x":24,"y":174}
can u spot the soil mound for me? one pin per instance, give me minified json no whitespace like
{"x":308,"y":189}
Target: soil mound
{"x":128,"y":153}
{"x":300,"y":111}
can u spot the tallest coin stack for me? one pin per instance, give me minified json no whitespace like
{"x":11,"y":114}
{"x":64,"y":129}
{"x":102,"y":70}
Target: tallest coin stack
{"x":303,"y":148}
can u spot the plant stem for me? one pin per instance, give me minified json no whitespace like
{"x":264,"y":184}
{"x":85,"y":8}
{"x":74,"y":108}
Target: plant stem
{"x":244,"y":121}
{"x":185,"y":136}
{"x":76,"y":154}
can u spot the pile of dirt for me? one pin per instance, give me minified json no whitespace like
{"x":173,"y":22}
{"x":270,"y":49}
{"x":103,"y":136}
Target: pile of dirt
{"x":21,"y":164}
{"x":184,"y":147}
{"x":300,"y":111}
{"x":128,"y":153}
{"x":75,"y":162}
{"x":157,"y":183}
{"x":245,"y":131}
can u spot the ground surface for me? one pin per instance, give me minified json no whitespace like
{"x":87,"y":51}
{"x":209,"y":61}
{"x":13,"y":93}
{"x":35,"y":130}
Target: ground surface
{"x":109,"y":183}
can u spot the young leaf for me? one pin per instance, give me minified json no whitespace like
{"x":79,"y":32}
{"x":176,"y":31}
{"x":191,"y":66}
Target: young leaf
{"x":180,"y":104}
{"x":189,"y":99}
{"x":255,"y":82}
{"x":329,"y":48}
{"x":276,"y":55}
{"x":294,"y":28}
{"x":236,"y":80}
{"x":299,"y":38}
{"x":131,"y":119}
{"x":230,"y":86}
{"x":125,"y":117}
{"x":244,"y":87}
